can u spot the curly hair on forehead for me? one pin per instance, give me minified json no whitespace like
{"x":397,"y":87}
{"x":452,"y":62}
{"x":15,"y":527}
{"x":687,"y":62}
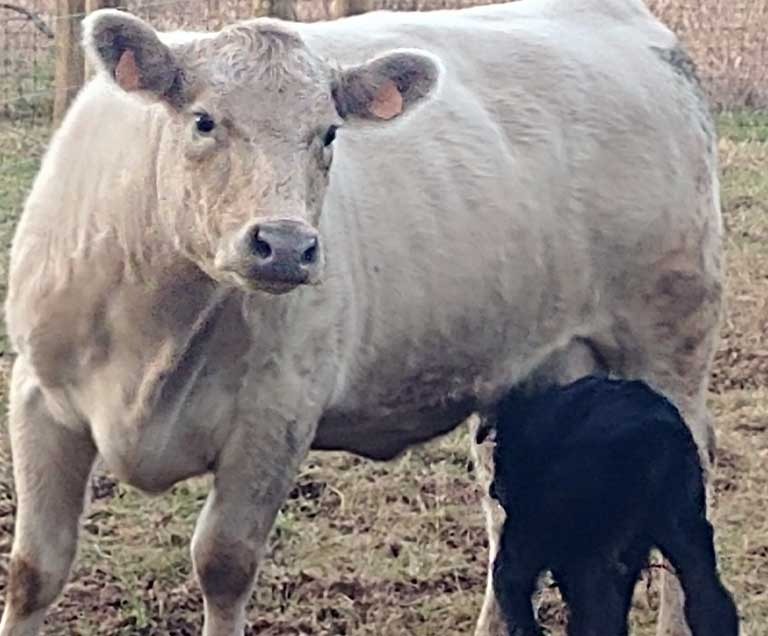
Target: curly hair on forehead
{"x":261,"y":49}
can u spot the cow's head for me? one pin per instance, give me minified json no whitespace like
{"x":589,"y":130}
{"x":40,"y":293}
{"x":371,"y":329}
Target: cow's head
{"x":244,"y":157}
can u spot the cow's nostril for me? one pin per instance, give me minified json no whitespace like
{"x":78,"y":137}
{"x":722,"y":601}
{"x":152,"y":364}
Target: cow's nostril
{"x":310,"y":254}
{"x":260,"y":247}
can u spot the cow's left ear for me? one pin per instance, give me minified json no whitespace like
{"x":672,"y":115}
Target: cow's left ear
{"x":386,"y":86}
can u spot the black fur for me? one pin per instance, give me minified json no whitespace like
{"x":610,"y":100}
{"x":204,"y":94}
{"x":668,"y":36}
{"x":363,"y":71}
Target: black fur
{"x":592,"y":476}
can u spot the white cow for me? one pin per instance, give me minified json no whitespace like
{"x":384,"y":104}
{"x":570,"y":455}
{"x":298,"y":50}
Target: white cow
{"x":524,"y":191}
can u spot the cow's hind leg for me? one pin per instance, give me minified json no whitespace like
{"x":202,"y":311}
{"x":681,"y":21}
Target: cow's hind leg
{"x":51,"y":467}
{"x":665,"y":332}
{"x":576,"y":360}
{"x":491,"y":621}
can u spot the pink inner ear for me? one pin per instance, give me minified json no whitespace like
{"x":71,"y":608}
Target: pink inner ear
{"x":388,"y":102}
{"x":127,"y":72}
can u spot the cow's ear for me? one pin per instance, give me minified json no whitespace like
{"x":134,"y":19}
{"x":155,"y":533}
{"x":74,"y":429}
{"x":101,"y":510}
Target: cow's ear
{"x":386,"y":86}
{"x":131,"y":53}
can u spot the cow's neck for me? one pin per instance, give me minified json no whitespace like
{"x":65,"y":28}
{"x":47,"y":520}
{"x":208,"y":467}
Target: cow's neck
{"x":185,"y":337}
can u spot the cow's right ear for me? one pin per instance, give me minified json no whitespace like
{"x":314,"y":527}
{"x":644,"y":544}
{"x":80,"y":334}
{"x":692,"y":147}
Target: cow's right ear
{"x":131,"y":53}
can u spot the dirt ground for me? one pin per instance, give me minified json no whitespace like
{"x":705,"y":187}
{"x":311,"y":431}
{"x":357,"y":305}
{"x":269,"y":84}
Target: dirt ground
{"x":399,"y":548}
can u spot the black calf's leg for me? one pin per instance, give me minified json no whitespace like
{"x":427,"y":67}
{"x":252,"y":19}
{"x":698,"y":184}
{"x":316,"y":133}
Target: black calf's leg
{"x":709,"y":608}
{"x":514,"y":580}
{"x":599,"y":596}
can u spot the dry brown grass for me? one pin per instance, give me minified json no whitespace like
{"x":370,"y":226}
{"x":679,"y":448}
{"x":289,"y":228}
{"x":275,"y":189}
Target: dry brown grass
{"x":727,"y":40}
{"x":364,"y":549}
{"x":726,"y":37}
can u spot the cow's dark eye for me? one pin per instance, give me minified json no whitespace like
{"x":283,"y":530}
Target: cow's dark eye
{"x":204,"y":122}
{"x":330,"y":136}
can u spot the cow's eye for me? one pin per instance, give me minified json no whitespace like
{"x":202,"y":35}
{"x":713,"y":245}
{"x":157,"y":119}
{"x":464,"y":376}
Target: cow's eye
{"x":330,"y":136}
{"x":204,"y":123}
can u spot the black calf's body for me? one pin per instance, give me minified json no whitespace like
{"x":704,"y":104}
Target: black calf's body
{"x":592,"y":476}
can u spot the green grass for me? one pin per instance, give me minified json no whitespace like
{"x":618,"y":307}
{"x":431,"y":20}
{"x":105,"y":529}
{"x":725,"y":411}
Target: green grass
{"x":27,"y":85}
{"x":21,"y":147}
{"x":744,"y":125}
{"x":365,"y":549}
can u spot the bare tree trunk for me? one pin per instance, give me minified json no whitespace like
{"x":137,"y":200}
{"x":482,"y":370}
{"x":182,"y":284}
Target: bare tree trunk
{"x":284,"y":9}
{"x":69,"y":55}
{"x":95,"y":5}
{"x":359,"y":6}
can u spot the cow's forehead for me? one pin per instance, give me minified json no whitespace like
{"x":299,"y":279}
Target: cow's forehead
{"x":260,"y":61}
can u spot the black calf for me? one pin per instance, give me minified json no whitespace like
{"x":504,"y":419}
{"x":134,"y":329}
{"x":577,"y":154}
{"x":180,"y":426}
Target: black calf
{"x":592,"y":476}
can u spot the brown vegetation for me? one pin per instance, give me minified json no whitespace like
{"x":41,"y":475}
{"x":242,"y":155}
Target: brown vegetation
{"x":364,"y":549}
{"x":726,"y":37}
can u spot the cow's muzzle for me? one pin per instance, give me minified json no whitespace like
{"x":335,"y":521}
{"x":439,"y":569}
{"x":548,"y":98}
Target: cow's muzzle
{"x":277,"y":256}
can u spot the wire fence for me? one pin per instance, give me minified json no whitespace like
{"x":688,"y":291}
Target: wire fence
{"x":725,"y":37}
{"x":26,"y":59}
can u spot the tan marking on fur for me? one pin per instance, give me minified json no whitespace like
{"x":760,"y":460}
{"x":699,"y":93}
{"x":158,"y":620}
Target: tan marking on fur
{"x":226,"y":574}
{"x":127,"y":72}
{"x":388,"y":102}
{"x":684,"y":289}
{"x":24,"y":586}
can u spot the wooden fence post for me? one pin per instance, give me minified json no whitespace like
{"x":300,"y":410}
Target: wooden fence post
{"x":260,"y":8}
{"x":69,"y":55}
{"x":93,"y":5}
{"x":338,"y":8}
{"x":308,"y":9}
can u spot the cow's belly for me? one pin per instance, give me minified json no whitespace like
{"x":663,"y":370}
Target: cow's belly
{"x":392,"y":405}
{"x":384,"y":437}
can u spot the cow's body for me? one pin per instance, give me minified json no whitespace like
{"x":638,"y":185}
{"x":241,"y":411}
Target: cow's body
{"x":554,"y":206}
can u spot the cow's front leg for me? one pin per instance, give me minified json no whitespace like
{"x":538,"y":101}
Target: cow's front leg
{"x":51,"y":464}
{"x":254,"y":474}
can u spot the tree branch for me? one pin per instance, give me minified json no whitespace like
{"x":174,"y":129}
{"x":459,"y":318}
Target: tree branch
{"x":31,"y":16}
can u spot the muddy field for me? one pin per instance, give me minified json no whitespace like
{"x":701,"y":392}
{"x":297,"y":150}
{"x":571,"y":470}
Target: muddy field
{"x":399,"y":549}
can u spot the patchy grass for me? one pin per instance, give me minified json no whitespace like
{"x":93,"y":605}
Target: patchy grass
{"x":744,"y":125}
{"x":26,"y":83}
{"x":21,"y":146}
{"x":399,"y":548}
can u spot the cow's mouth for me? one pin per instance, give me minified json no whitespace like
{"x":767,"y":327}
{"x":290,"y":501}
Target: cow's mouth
{"x":274,"y":288}
{"x":253,"y":284}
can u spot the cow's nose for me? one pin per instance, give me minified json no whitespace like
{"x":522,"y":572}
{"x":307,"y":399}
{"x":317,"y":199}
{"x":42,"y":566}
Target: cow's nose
{"x":283,"y":252}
